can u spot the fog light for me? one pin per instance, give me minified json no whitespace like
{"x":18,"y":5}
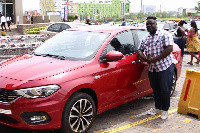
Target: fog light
{"x":35,"y":117}
{"x":38,"y":118}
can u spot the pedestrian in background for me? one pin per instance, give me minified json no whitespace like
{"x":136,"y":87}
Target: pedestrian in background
{"x":158,"y":47}
{"x":97,"y":22}
{"x":8,"y":20}
{"x":0,"y":17}
{"x":88,"y":22}
{"x":123,"y":22}
{"x":12,"y":17}
{"x":28,"y":17}
{"x":3,"y":22}
{"x":76,"y":20}
{"x":181,"y":37}
{"x":193,"y":44}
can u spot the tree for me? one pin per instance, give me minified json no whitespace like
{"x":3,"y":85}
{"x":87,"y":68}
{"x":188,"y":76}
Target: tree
{"x":179,"y":15}
{"x":140,"y":16}
{"x":131,"y":16}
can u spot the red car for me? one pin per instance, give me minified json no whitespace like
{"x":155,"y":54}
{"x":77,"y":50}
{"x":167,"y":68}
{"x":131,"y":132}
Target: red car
{"x":74,"y":76}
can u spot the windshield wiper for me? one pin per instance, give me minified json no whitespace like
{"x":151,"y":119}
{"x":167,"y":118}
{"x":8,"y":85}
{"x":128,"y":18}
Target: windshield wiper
{"x":59,"y":57}
{"x":50,"y":55}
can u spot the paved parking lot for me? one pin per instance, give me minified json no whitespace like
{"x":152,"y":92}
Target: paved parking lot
{"x":132,"y":118}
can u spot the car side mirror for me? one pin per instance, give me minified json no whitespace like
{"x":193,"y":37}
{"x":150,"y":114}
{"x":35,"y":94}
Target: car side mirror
{"x":113,"y":56}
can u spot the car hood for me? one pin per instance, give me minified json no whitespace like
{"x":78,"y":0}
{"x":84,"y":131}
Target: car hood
{"x":30,"y":67}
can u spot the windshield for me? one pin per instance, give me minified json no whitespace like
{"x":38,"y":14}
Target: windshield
{"x":72,"y":45}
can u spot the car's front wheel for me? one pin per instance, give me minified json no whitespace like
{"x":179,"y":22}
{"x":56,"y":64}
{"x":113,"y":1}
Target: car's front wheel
{"x":78,"y":114}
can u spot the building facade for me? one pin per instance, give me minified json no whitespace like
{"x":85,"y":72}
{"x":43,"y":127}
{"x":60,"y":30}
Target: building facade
{"x":100,"y":9}
{"x":85,"y":8}
{"x":15,"y":8}
{"x":46,"y":5}
{"x":6,"y":7}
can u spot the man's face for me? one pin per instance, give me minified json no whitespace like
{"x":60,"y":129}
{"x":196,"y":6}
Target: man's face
{"x":151,"y":26}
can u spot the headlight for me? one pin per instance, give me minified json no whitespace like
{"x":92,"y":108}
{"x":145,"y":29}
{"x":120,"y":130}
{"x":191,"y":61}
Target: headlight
{"x":37,"y":92}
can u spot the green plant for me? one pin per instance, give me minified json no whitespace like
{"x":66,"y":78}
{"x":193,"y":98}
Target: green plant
{"x":35,"y":30}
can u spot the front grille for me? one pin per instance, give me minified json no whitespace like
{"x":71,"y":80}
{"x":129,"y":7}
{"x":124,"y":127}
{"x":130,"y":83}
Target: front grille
{"x":7,"y":96}
{"x":7,"y":119}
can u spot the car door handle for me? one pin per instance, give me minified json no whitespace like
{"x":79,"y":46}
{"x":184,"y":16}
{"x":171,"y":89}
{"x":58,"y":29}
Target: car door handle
{"x":136,"y":61}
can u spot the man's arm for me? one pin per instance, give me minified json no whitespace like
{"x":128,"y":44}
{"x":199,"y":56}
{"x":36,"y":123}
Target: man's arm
{"x":164,"y":54}
{"x":142,"y":56}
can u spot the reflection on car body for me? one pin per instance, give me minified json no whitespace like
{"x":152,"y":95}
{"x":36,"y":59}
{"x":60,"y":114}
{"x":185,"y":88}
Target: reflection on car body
{"x":73,"y":77}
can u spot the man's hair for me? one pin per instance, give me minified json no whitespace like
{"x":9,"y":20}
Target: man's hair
{"x":87,"y":20}
{"x":115,"y":42}
{"x":151,"y":17}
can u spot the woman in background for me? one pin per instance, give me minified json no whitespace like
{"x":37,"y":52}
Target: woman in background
{"x":76,"y":20}
{"x":181,"y":37}
{"x":193,"y":44}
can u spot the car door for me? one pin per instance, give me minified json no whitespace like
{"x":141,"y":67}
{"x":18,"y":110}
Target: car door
{"x":124,"y":79}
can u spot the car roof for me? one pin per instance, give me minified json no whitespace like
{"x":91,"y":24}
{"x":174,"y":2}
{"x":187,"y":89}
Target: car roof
{"x":72,"y":24}
{"x":105,"y":29}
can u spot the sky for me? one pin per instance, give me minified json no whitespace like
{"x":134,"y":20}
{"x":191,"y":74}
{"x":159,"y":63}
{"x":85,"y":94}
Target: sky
{"x":166,"y":5}
{"x":31,"y":5}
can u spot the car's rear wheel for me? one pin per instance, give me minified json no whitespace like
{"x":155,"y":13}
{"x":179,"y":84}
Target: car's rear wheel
{"x":173,"y":84}
{"x":79,"y":113}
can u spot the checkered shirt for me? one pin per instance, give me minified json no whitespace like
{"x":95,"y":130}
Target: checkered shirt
{"x":154,"y":46}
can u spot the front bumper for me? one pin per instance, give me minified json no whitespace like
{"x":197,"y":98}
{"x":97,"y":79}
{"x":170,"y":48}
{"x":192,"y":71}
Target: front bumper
{"x":52,"y":106}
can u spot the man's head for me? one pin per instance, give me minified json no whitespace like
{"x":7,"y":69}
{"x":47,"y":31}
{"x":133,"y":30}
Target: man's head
{"x":87,"y":20}
{"x":151,"y":24}
{"x":76,"y":17}
{"x":182,"y":22}
{"x":115,"y":43}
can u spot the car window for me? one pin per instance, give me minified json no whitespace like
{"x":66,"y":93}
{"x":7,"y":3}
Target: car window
{"x":141,"y":34}
{"x":65,"y":26}
{"x":160,"y":25}
{"x":173,"y":26}
{"x":73,"y":45}
{"x":126,"y":40}
{"x":166,"y":26}
{"x":54,"y":27}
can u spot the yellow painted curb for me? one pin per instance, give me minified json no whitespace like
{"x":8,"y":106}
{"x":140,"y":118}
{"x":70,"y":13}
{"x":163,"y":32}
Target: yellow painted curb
{"x":135,"y":123}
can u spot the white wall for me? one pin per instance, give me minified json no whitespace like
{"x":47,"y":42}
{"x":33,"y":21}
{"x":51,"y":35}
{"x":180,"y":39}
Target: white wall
{"x":31,"y":5}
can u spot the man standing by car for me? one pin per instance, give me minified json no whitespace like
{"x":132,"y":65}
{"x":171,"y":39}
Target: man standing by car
{"x":158,"y":47}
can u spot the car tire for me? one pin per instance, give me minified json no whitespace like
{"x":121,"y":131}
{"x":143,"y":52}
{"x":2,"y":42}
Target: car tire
{"x":78,"y":114}
{"x":173,"y":84}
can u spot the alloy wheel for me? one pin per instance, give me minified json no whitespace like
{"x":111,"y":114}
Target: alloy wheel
{"x":81,"y":115}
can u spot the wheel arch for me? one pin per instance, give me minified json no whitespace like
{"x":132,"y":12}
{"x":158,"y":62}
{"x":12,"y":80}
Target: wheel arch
{"x":90,"y":92}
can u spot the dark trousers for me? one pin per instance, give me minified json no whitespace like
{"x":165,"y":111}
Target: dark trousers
{"x":161,"y":83}
{"x":3,"y":24}
{"x":181,"y":43}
